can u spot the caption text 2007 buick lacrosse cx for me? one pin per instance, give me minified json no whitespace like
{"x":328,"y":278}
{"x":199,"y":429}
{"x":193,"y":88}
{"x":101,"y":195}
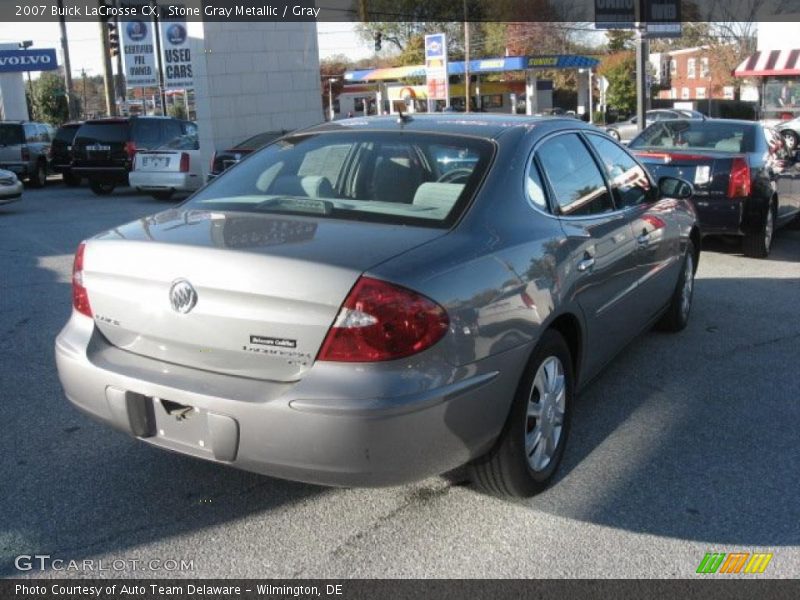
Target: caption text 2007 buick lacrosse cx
{"x":373,"y":301}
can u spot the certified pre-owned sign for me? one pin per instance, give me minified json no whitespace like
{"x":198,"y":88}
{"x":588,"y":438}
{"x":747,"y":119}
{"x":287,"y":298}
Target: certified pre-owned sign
{"x":15,"y":61}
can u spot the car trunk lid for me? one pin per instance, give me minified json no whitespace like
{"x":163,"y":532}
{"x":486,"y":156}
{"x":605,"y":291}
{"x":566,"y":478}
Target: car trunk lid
{"x":267,"y":288}
{"x":709,"y":172}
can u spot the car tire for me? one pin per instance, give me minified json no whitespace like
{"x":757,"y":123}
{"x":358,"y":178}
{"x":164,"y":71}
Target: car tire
{"x":522,"y":464}
{"x":39,"y":178}
{"x":166,"y":195}
{"x":791,"y":141}
{"x":677,"y":316}
{"x":757,"y":244}
{"x":101,"y":188}
{"x":71,"y":179}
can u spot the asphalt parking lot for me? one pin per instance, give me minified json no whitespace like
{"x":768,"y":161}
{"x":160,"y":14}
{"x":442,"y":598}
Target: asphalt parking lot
{"x":687,"y":444}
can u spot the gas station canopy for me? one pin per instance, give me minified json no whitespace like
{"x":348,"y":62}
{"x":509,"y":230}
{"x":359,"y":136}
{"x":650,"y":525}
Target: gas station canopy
{"x":484,"y":65}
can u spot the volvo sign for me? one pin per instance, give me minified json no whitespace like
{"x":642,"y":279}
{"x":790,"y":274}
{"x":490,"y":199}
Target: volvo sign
{"x":17,"y":61}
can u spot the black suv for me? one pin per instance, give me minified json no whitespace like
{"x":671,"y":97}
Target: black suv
{"x":103,"y":149}
{"x":24,"y":148}
{"x":61,"y":152}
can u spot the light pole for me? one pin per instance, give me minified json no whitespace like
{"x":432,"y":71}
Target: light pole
{"x":331,"y":80}
{"x":25,"y":45}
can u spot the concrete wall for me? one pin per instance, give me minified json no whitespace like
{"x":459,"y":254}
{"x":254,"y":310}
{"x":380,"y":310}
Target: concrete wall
{"x":12,"y":93}
{"x":252,"y":77}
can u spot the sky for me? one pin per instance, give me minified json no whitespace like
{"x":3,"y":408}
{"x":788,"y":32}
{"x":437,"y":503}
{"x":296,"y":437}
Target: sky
{"x":84,"y":41}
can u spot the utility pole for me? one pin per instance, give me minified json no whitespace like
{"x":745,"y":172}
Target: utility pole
{"x":466,"y":60}
{"x":157,"y":35}
{"x":641,"y":75}
{"x":67,"y":69}
{"x":83,"y":97}
{"x":108,"y":78}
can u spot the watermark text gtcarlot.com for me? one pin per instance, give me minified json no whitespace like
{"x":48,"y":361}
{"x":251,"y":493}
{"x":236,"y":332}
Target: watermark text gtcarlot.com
{"x":46,"y":562}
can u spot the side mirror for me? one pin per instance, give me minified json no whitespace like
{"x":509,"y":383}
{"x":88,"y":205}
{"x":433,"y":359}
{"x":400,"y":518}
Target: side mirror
{"x":674,"y":187}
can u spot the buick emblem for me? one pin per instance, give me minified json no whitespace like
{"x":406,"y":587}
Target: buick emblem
{"x":182,"y":296}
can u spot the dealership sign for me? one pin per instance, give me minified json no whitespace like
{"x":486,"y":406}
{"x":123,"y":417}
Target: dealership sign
{"x":436,"y":66}
{"x":16,"y":61}
{"x":177,"y":56}
{"x":662,"y":17}
{"x":138,"y":50}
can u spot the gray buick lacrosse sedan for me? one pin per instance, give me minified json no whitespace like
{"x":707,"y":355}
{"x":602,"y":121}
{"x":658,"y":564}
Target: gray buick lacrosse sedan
{"x":373,"y":301}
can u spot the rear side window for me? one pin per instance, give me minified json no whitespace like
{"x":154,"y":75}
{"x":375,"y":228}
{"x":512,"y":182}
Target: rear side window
{"x":717,"y":135}
{"x":575,"y":179}
{"x":104,"y":132}
{"x":629,"y":182}
{"x":32,"y":133}
{"x":384,"y":177}
{"x":11,"y":134}
{"x":66,"y":134}
{"x":147,"y":133}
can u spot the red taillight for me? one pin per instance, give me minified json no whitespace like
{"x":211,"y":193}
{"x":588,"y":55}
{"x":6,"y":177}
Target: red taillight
{"x":25,"y":153}
{"x":80,"y":297}
{"x":184,"y":162}
{"x":381,"y":321}
{"x":130,"y":149}
{"x":739,"y":181}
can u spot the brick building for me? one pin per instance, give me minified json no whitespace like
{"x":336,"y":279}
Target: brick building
{"x":686,"y":75}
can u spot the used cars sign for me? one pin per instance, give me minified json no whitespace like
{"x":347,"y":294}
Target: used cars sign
{"x":14,"y":61}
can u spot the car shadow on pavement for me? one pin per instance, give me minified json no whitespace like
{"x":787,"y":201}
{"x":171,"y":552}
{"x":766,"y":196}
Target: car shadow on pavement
{"x":694,"y":436}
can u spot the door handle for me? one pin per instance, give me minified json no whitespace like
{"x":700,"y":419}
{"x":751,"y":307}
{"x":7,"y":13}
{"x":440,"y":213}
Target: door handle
{"x":586,"y":264}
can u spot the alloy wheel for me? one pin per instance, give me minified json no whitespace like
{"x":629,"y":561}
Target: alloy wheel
{"x":545,"y":413}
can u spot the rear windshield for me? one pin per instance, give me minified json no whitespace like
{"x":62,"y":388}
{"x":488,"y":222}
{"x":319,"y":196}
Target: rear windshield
{"x":104,"y":132}
{"x":720,"y":136}
{"x":262,"y":139}
{"x":11,"y":134}
{"x":66,"y":134}
{"x":386,"y":177}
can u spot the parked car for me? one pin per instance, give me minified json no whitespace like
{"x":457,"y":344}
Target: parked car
{"x":173,"y":167}
{"x":625,"y":131}
{"x":10,"y":187}
{"x":790,"y":132}
{"x":61,"y":152}
{"x":103,"y":149}
{"x":227,"y":158}
{"x":24,"y":148}
{"x":743,"y":187}
{"x":341,"y":309}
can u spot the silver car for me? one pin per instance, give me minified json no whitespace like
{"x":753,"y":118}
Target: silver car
{"x":10,"y":187}
{"x":377,"y":300}
{"x":625,"y":131}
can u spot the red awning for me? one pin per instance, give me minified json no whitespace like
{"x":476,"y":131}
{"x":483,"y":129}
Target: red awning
{"x":770,"y":62}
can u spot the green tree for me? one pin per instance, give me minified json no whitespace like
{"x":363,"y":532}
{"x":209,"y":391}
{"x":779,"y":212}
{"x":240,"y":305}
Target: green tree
{"x":619,"y":70}
{"x":177,"y":111}
{"x":50,"y":98}
{"x":619,"y":39}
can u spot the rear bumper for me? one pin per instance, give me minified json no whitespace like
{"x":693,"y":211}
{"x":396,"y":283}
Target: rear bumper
{"x":730,"y":216}
{"x":313,"y":430}
{"x":22,"y":169}
{"x":164,"y":181}
{"x":104,"y":174}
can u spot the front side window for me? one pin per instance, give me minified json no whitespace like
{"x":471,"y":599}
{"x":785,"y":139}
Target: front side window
{"x":629,"y":181}
{"x":386,"y":177}
{"x":576,"y":181}
{"x":11,"y":134}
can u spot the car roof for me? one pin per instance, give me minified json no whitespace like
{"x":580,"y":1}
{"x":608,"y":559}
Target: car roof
{"x":490,"y":126}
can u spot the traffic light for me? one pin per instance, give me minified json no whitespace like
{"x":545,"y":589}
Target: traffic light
{"x":378,"y":41}
{"x":113,"y":38}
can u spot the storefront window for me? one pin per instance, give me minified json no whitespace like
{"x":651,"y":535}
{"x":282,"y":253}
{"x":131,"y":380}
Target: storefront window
{"x":781,"y":98}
